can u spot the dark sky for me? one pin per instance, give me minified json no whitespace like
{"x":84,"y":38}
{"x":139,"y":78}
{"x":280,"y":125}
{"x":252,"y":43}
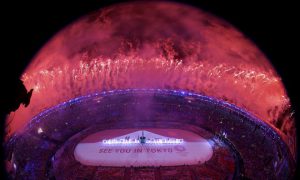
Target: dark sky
{"x":26,"y":25}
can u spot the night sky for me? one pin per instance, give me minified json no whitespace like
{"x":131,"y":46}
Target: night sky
{"x":27,"y":25}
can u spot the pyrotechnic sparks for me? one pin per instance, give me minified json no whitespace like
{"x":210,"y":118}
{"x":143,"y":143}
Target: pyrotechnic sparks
{"x":129,"y":48}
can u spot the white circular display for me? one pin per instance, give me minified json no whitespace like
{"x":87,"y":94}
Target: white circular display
{"x":147,"y":147}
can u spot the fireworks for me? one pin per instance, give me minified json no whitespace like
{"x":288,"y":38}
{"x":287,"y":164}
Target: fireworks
{"x":151,"y":45}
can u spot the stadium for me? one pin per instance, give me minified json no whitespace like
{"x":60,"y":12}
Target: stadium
{"x":52,"y":136}
{"x":151,"y":90}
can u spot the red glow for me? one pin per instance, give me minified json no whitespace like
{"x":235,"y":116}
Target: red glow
{"x":153,"y":45}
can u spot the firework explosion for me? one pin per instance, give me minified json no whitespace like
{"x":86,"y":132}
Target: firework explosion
{"x":155,"y":45}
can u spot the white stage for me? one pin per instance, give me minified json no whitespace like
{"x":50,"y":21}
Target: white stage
{"x":162,"y":147}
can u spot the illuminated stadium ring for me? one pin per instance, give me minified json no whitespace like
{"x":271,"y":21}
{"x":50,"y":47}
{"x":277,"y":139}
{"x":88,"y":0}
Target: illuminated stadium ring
{"x":234,"y":134}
